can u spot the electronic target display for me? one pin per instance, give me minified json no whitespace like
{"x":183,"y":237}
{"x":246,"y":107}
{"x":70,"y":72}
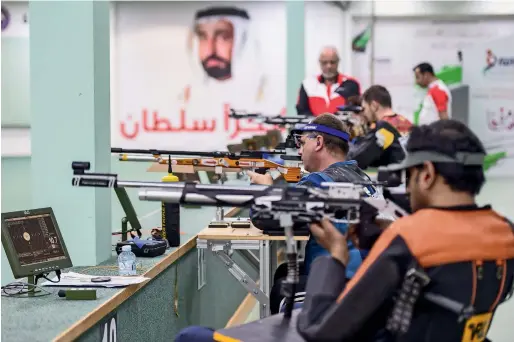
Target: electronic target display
{"x":33,"y":242}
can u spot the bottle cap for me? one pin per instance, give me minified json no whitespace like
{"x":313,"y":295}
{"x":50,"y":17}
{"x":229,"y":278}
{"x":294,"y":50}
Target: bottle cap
{"x":126,"y":248}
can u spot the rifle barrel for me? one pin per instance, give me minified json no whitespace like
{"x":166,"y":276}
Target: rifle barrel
{"x":139,"y":154}
{"x":156,"y":152}
{"x":213,"y":195}
{"x":158,"y":185}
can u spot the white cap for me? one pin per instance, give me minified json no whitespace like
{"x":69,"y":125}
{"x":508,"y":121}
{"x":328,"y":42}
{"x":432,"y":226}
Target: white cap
{"x":126,"y":248}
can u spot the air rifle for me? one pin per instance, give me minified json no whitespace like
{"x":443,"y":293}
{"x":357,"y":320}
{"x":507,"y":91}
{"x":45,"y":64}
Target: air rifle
{"x":344,"y":113}
{"x":278,"y":120}
{"x":248,"y":160}
{"x":287,"y":205}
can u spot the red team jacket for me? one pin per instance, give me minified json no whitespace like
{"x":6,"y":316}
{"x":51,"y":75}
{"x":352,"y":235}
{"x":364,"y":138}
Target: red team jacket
{"x":316,"y":97}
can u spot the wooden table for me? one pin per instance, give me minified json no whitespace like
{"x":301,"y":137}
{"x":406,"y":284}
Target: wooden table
{"x":222,"y":242}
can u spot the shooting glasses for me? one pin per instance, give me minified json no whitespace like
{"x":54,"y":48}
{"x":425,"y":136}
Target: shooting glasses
{"x":311,"y":127}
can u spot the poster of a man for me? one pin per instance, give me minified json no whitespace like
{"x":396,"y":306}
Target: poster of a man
{"x":178,"y":80}
{"x":225,"y":73}
{"x":215,"y":33}
{"x":224,"y":58}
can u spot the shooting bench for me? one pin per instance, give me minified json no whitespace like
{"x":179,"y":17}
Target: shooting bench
{"x":222,"y":242}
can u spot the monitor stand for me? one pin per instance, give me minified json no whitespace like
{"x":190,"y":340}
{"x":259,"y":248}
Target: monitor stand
{"x":29,"y":289}
{"x":32,"y":291}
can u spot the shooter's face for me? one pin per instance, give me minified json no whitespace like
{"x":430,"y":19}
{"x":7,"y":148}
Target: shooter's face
{"x":307,"y":151}
{"x":369,"y":112}
{"x":419,"y":184}
{"x":216,"y":42}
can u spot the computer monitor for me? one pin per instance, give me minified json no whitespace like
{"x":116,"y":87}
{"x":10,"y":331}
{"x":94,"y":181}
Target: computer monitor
{"x":33,"y":242}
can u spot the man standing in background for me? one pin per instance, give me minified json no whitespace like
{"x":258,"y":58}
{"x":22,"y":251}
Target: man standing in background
{"x":437,"y":102}
{"x":325,"y":92}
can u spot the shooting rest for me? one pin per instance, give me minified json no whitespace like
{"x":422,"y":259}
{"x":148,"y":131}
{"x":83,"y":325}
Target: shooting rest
{"x":218,"y":242}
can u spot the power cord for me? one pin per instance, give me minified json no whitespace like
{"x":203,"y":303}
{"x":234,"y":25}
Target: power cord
{"x":20,"y":289}
{"x":45,"y":276}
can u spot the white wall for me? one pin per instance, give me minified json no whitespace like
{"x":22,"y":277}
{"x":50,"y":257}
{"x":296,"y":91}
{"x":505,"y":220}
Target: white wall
{"x":407,"y":8}
{"x":324,"y":25}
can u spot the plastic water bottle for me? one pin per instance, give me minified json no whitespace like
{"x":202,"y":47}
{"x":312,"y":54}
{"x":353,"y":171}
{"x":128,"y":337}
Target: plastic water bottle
{"x":127,"y":262}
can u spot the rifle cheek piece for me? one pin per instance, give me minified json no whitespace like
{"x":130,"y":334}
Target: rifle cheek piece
{"x":91,"y":179}
{"x":79,"y":168}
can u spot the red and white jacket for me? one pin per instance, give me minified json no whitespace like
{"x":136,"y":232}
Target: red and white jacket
{"x":438,"y":99}
{"x":317,"y":96}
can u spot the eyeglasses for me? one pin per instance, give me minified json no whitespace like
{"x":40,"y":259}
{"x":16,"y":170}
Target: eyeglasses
{"x":298,"y":139}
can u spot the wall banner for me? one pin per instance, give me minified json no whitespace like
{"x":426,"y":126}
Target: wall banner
{"x":401,"y":44}
{"x":488,"y":69}
{"x":181,"y":66}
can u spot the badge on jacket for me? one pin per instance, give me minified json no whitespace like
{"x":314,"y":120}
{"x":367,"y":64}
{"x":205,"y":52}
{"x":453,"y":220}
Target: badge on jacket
{"x":384,"y":138}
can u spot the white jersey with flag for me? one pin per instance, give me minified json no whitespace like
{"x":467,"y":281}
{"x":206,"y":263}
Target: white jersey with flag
{"x":437,"y":99}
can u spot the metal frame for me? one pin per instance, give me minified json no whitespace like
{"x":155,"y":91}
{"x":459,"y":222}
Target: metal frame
{"x":267,"y":264}
{"x":130,"y":213}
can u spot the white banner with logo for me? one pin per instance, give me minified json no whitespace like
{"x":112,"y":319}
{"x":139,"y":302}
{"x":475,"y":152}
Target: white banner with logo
{"x":488,"y":69}
{"x":400,"y":44}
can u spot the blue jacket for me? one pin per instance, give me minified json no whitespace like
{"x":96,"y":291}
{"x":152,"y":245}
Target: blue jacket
{"x":347,"y":171}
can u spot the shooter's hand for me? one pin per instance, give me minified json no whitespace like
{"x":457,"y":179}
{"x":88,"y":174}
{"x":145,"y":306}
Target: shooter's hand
{"x":364,"y":236}
{"x":331,"y":239}
{"x":256,"y":178}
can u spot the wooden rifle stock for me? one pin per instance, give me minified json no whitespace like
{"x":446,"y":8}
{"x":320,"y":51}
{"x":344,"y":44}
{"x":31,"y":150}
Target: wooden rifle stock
{"x":290,"y":174}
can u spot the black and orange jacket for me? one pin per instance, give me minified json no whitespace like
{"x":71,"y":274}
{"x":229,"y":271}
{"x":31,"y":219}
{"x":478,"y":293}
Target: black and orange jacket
{"x":316,"y":97}
{"x":468,"y":252}
{"x":401,"y":123}
{"x":379,"y":147}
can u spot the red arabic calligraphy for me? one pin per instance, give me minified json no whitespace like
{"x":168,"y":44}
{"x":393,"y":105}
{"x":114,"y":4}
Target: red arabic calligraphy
{"x":153,"y":123}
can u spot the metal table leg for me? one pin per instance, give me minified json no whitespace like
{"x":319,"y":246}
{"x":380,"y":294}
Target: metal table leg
{"x":264,"y":276}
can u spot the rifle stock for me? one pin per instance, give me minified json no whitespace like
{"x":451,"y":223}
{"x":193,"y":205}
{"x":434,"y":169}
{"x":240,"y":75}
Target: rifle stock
{"x":292,"y":174}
